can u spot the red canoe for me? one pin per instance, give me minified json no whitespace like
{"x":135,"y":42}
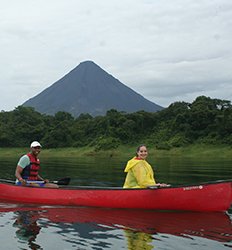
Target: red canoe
{"x":214,"y":196}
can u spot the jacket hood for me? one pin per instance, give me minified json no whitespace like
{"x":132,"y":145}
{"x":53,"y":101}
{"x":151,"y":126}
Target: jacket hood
{"x":131,"y":163}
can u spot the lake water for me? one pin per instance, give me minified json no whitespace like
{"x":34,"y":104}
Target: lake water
{"x":36,"y":227}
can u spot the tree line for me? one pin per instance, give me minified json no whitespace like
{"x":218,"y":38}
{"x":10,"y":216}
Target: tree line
{"x":205,"y":120}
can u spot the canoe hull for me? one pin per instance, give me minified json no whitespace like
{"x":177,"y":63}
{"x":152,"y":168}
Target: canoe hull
{"x":215,"y":196}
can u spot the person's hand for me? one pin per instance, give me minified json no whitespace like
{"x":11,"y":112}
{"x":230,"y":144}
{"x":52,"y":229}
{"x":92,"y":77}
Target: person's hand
{"x":23,"y":182}
{"x":46,"y":181}
{"x":158,"y":185}
{"x":162,"y":185}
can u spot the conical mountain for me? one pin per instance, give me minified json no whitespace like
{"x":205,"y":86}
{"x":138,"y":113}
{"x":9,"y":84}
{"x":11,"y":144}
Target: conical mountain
{"x":89,"y":89}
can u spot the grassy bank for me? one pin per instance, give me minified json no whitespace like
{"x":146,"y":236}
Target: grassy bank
{"x":126,"y":151}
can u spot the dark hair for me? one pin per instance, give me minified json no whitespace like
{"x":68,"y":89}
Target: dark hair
{"x":138,"y":148}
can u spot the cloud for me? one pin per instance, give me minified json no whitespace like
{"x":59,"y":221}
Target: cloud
{"x":167,"y":51}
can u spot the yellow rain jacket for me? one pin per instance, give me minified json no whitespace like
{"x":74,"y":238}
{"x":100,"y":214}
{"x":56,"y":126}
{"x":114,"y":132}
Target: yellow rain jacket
{"x":139,"y":174}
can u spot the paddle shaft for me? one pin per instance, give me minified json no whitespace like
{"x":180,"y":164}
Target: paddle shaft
{"x":63,"y":181}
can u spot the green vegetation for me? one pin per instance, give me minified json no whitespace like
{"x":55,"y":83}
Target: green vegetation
{"x":205,"y":121}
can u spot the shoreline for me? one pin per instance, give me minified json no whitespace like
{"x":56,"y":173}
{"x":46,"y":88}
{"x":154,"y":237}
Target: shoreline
{"x":196,"y":150}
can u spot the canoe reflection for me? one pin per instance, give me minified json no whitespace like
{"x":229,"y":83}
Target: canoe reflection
{"x":215,"y":226}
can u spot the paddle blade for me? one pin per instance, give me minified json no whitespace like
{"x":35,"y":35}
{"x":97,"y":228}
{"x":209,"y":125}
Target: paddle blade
{"x":63,"y":181}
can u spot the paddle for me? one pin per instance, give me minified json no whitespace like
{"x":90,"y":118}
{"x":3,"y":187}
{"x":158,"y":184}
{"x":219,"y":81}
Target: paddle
{"x":63,"y":181}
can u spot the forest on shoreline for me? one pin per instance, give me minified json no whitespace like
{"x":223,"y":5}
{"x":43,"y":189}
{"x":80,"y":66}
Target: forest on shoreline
{"x":204,"y":121}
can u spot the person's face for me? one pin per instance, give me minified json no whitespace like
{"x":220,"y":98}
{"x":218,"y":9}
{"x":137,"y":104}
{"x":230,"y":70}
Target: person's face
{"x":35,"y":150}
{"x":142,"y":153}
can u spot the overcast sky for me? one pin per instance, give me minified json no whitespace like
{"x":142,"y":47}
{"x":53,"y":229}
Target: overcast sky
{"x":166,"y":50}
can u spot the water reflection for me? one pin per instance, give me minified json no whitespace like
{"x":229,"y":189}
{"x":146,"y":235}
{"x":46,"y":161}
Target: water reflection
{"x":138,"y":240}
{"x":96,"y":227}
{"x":185,"y":170}
{"x":27,"y":227}
{"x":109,"y":171}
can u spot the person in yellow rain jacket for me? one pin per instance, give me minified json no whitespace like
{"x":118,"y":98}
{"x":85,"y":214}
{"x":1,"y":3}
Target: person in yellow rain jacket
{"x":139,"y":171}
